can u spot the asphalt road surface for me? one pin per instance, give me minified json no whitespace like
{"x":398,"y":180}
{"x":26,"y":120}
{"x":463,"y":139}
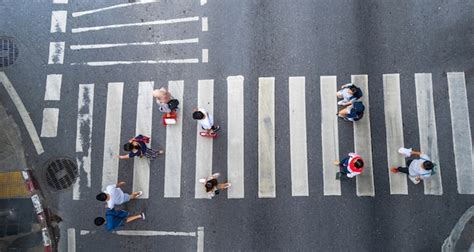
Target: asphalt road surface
{"x":86,"y":68}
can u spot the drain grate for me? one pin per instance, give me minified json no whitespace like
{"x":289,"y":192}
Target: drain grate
{"x":61,"y":173}
{"x":8,"y":52}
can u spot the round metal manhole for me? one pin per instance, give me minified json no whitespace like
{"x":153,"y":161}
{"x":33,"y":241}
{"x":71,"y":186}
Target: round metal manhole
{"x":8,"y":52}
{"x":61,"y":173}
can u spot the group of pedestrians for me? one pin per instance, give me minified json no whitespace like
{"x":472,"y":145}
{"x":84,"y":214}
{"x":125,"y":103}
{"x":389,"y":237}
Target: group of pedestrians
{"x":418,"y":165}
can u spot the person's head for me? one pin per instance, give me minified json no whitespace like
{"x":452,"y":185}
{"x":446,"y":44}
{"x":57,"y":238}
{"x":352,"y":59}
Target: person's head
{"x":352,"y":89}
{"x":198,"y":115}
{"x":99,"y":221}
{"x":101,"y":196}
{"x":428,"y":165}
{"x":359,"y":163}
{"x":210,"y":184}
{"x":161,"y":94}
{"x":128,"y":147}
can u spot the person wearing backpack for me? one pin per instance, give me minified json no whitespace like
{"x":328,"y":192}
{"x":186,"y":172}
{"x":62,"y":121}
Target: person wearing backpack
{"x":350,"y":166}
{"x":348,"y":93}
{"x":417,"y":168}
{"x":166,"y":102}
{"x":137,"y":147}
{"x":354,"y":112}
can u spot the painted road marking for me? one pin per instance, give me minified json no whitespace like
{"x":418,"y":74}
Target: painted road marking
{"x":156,"y":22}
{"x":113,"y":124}
{"x":329,"y":134}
{"x":25,"y":117}
{"x":394,"y":132}
{"x":266,"y":138}
{"x":200,"y":239}
{"x":56,"y":52}
{"x":174,"y":141}
{"x":205,"y":26}
{"x":235,"y":136}
{"x":83,"y":13}
{"x":58,"y":21}
{"x":50,"y":122}
{"x":153,"y":233}
{"x":71,"y":240}
{"x":113,"y":63}
{"x":204,"y":144}
{"x":141,"y":166}
{"x":203,"y":2}
{"x":53,"y":87}
{"x":298,"y":143}
{"x":427,"y":129}
{"x":60,"y":1}
{"x":165,"y":42}
{"x":461,"y":128}
{"x":85,"y":109}
{"x":205,"y":55}
{"x":363,"y":141}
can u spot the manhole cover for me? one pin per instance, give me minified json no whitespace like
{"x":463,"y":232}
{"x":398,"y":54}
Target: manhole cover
{"x":61,"y":173}
{"x":8,"y":51}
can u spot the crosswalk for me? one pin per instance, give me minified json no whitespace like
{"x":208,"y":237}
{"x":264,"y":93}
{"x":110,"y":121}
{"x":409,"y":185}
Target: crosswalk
{"x":267,"y":138}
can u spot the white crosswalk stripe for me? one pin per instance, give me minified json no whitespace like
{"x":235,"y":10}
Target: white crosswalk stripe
{"x":301,"y":182}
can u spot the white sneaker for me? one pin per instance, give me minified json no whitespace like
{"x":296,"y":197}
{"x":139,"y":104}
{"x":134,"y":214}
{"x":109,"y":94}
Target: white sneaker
{"x":405,"y":151}
{"x":143,"y":216}
{"x":340,"y":103}
{"x":139,"y":193}
{"x":202,"y":180}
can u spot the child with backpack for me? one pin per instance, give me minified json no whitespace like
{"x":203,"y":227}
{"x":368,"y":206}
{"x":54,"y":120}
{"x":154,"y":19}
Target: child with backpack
{"x":348,"y":93}
{"x":350,"y":166}
{"x":353,"y":113}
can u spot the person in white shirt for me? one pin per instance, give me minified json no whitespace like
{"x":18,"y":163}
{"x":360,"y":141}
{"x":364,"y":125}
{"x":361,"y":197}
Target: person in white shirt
{"x":113,"y":195}
{"x":417,"y":169}
{"x":348,"y":93}
{"x":212,"y":186}
{"x":206,"y":120}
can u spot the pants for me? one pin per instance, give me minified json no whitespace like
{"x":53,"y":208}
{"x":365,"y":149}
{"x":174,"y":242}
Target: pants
{"x":343,"y":168}
{"x":405,"y":169}
{"x":150,"y":153}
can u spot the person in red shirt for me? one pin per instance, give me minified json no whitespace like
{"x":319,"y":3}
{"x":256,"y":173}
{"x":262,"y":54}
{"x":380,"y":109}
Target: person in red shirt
{"x":350,"y":166}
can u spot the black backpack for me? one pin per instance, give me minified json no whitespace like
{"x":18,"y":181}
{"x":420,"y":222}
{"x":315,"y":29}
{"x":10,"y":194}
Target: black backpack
{"x":359,"y":108}
{"x":358,"y":93}
{"x":173,"y":104}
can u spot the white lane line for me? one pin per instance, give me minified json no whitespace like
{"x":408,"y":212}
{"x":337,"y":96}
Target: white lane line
{"x":235,"y":136}
{"x":203,"y":2}
{"x":56,"y":53}
{"x":298,"y":143}
{"x":394,"y":132}
{"x":113,"y":63}
{"x":153,"y":233}
{"x":141,"y":166}
{"x":50,"y":122}
{"x":205,"y":55}
{"x":363,"y":141}
{"x":461,"y":128}
{"x":60,"y":1}
{"x":156,"y":22}
{"x":53,"y":87}
{"x":85,"y":109}
{"x":71,"y":240}
{"x":165,"y":42}
{"x":113,"y":124}
{"x":427,"y":129}
{"x":329,"y":134}
{"x":25,"y":117}
{"x":200,"y":239}
{"x":58,"y":21}
{"x":205,"y":26}
{"x":266,"y":138}
{"x":204,"y":144}
{"x":174,"y":142}
{"x":83,"y":13}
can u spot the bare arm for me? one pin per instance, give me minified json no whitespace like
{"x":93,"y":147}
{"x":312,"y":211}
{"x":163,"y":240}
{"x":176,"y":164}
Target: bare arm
{"x":120,"y":184}
{"x":123,"y":156}
{"x":416,"y":153}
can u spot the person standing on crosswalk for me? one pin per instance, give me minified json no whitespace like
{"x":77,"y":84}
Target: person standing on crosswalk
{"x":350,"y":166}
{"x":353,"y":112}
{"x":113,"y":195}
{"x":418,"y":168}
{"x":206,"y":120}
{"x":348,"y":93}
{"x":116,"y":218}
{"x":166,"y":102}
{"x":137,"y":147}
{"x":212,"y":186}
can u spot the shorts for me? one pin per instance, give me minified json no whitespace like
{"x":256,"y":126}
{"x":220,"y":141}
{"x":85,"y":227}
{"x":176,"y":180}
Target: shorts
{"x":126,"y":197}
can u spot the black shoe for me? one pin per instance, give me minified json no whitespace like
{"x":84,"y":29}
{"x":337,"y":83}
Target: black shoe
{"x":216,"y":128}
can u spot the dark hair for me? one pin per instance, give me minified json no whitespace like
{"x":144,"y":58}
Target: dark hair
{"x":210,"y":184}
{"x":428,"y":165}
{"x":101,"y":197}
{"x":359,"y":163}
{"x":198,"y":115}
{"x":353,"y":88}
{"x":128,"y":147}
{"x":99,"y":221}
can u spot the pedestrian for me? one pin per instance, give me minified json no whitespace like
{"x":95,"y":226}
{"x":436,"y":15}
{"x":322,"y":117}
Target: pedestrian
{"x":113,"y":195}
{"x":166,"y":102}
{"x":212,"y":186}
{"x":137,"y":147}
{"x":116,"y":218}
{"x":348,"y":93}
{"x":353,"y":113}
{"x":418,"y":169}
{"x":206,"y":120}
{"x":350,"y":166}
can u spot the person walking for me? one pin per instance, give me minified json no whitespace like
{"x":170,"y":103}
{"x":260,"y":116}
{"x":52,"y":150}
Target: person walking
{"x":348,"y":94}
{"x":137,"y":147}
{"x":113,"y":195}
{"x":350,"y":166}
{"x":116,"y":218}
{"x":353,"y":113}
{"x":417,"y":169}
{"x":212,"y":186}
{"x":206,"y":120}
{"x":166,"y":102}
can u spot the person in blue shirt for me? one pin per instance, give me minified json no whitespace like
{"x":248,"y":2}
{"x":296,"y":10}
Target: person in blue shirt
{"x":115,"y":219}
{"x":137,"y":147}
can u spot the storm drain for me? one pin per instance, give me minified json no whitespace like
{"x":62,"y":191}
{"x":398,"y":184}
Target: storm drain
{"x":61,"y":173}
{"x":8,"y":52}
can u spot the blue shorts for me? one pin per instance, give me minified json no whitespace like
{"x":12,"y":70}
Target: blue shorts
{"x":126,"y":197}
